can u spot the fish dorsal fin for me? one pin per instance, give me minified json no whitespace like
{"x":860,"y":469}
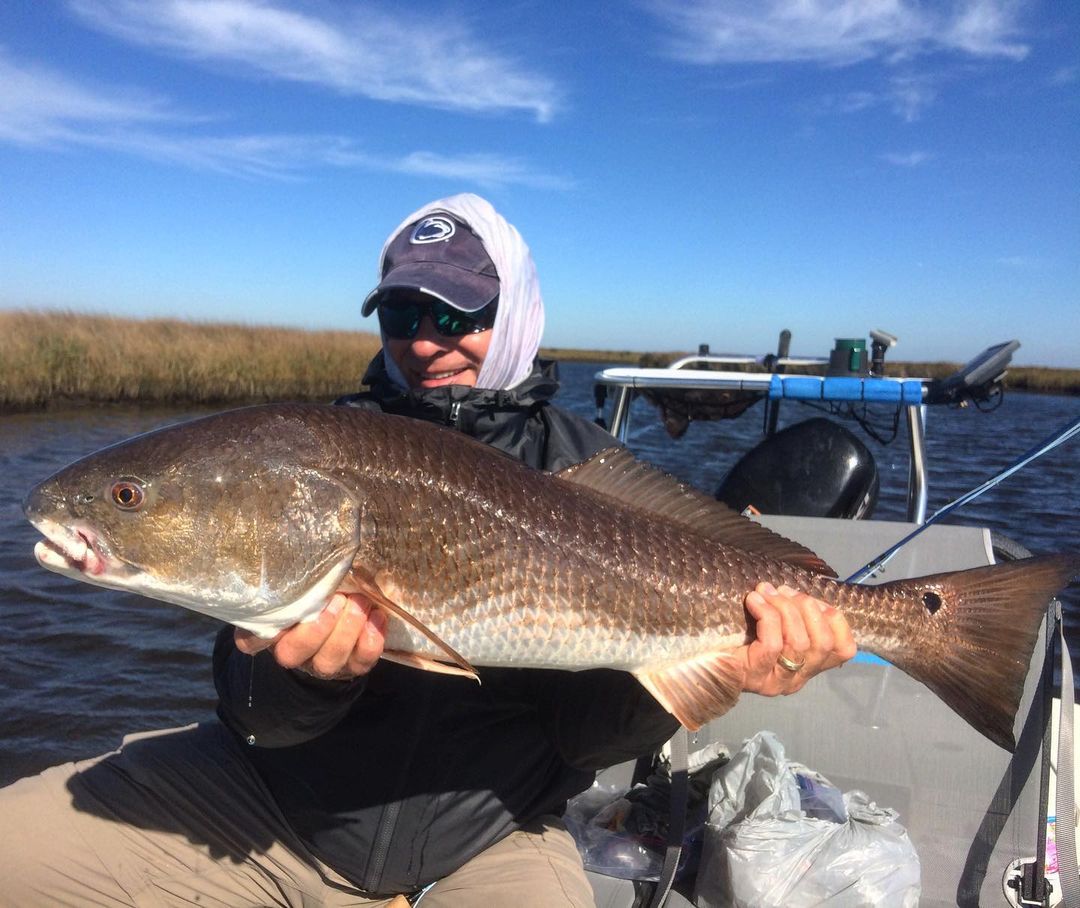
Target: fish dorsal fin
{"x":699,"y":690}
{"x":356,"y":582}
{"x":616,"y":473}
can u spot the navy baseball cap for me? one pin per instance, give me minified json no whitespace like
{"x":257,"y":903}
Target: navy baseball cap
{"x":440,"y":256}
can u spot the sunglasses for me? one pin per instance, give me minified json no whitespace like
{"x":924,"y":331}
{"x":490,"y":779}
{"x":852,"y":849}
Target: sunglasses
{"x":399,"y":317}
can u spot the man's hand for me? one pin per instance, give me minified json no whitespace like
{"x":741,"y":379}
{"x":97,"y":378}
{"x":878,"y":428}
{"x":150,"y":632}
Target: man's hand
{"x":797,"y":637}
{"x":344,"y":642}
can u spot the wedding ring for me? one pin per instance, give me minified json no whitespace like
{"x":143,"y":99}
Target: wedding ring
{"x":790,"y":664}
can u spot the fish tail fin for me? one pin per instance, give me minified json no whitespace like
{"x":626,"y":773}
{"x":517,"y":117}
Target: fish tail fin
{"x":986,"y":622}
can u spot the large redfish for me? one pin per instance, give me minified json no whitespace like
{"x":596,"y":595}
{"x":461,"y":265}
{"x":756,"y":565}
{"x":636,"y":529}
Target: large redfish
{"x":258,"y":515}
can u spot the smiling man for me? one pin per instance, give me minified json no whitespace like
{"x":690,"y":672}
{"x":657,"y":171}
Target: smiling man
{"x":438,"y":283}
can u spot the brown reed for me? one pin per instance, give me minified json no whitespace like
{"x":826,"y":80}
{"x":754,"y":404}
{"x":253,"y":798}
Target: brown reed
{"x":54,"y":358}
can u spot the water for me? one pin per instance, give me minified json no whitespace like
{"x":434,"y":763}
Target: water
{"x":82,"y":666}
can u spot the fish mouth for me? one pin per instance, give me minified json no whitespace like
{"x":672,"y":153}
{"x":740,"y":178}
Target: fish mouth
{"x":70,"y":550}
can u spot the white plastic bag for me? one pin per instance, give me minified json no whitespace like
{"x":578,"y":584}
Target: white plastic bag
{"x":778,"y":834}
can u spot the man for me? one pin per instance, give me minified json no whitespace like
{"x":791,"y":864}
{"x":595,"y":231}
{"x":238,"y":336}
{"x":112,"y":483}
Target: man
{"x":335,"y":778}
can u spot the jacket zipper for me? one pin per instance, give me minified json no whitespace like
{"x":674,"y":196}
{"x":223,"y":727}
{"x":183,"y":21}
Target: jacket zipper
{"x":384,"y":835}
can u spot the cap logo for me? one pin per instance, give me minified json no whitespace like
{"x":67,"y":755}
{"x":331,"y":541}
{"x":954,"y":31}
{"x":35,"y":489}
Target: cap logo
{"x":432,"y":230}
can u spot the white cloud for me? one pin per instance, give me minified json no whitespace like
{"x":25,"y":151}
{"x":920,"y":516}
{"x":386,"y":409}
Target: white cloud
{"x":984,"y":28}
{"x":430,"y":61}
{"x":268,"y":156}
{"x":484,"y":169}
{"x":837,"y":32}
{"x":38,"y":106}
{"x":44,"y":108}
{"x":488,"y":170}
{"x":905,"y":95}
{"x":290,"y":157}
{"x":909,"y":94}
{"x":1065,"y":75}
{"x":907,"y":159}
{"x":1019,"y":262}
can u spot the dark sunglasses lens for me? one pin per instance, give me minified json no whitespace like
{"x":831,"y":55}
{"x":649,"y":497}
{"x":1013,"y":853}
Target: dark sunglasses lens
{"x":400,"y":320}
{"x":451,"y":322}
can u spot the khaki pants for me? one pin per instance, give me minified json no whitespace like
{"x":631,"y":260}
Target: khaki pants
{"x":177,"y":818}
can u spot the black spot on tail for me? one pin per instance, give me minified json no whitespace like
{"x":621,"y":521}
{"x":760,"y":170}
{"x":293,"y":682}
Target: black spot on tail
{"x":932,"y":601}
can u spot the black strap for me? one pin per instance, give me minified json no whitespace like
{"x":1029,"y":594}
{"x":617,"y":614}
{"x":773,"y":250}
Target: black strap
{"x":680,"y":792}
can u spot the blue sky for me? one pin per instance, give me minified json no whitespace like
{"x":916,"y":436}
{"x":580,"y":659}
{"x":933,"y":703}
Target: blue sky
{"x":684,"y":171}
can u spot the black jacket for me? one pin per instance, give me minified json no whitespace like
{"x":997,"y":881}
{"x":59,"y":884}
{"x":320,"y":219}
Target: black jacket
{"x":397,"y":778}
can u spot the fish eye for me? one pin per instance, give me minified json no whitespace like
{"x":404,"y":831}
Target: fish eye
{"x":127,"y":495}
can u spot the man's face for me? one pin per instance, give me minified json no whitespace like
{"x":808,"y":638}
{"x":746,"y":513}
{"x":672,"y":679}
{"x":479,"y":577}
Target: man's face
{"x":429,"y":359}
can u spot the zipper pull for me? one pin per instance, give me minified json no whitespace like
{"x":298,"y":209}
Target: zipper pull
{"x":455,"y":412}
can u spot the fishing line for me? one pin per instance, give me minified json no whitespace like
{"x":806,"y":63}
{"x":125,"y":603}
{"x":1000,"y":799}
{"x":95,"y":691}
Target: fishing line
{"x":1059,"y":437}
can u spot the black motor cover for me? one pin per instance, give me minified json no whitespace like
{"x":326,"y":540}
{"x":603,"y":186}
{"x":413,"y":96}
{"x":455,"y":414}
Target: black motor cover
{"x":815,"y":468}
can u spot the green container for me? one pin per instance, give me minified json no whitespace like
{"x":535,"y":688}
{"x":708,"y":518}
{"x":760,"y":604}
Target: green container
{"x":848,"y":357}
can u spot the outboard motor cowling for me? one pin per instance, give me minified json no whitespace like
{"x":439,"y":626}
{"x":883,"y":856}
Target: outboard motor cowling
{"x":815,"y":468}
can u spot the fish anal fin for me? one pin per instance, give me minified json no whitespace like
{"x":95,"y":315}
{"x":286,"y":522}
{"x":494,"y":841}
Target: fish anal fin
{"x":616,"y":473}
{"x":415,"y":660}
{"x":359,"y":582}
{"x":698,"y":690}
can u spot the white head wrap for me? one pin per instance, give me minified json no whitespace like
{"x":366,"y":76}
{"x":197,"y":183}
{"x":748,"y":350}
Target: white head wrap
{"x":519,"y":320}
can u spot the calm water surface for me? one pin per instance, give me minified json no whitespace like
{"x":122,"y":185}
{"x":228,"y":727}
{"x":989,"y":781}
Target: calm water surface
{"x":81,"y":666}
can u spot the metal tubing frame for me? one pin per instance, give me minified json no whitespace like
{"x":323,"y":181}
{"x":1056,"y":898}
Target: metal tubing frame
{"x":917,"y":492}
{"x":620,"y":413}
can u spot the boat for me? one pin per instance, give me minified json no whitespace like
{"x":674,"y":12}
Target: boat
{"x":981,"y":820}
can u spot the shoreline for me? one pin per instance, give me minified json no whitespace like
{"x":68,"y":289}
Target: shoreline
{"x":50,"y":360}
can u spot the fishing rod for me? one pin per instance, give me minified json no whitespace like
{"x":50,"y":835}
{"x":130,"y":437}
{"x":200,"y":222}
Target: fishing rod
{"x":1048,"y":444}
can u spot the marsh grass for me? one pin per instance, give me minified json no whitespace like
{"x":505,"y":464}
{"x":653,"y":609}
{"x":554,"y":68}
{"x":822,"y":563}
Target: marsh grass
{"x":55,"y":358}
{"x":50,"y":359}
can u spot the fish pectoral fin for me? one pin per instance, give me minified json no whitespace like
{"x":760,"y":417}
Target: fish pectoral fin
{"x":415,"y":660}
{"x":356,"y":582}
{"x":698,"y":690}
